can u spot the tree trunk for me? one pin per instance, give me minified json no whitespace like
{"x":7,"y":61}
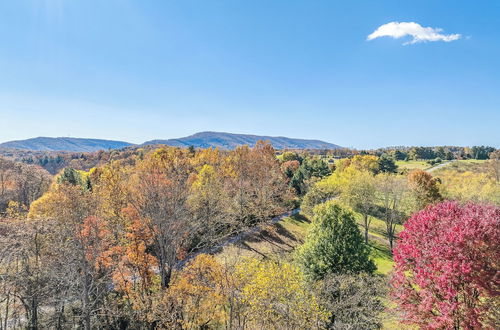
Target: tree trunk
{"x":86,"y":305}
{"x":60,"y":318}
{"x":365,"y":218}
{"x":34,"y":314}
{"x":7,"y":304}
{"x":165,"y":275}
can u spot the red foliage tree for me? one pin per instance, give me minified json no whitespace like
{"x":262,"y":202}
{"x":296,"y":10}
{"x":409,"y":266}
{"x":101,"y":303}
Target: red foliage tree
{"x":447,"y":267}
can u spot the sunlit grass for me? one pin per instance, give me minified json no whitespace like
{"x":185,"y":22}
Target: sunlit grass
{"x":412,"y":165}
{"x":381,"y":255}
{"x":377,"y":226}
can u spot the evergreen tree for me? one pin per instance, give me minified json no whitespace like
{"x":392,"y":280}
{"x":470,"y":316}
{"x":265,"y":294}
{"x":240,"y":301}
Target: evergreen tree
{"x":399,"y":155}
{"x":70,"y":176}
{"x":387,"y":164}
{"x":334,"y":244}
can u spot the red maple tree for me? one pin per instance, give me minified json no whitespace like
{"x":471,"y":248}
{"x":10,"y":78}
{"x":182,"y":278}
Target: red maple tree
{"x":446,"y":271}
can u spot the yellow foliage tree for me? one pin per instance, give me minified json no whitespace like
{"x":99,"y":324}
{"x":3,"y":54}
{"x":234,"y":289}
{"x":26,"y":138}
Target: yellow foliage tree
{"x":276,"y":296}
{"x":202,"y":291}
{"x":365,"y":163}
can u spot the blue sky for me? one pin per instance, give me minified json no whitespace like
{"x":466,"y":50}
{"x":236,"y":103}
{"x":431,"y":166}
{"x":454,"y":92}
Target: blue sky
{"x":137,"y":70}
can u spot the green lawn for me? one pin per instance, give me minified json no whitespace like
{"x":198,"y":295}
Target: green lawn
{"x":382,"y":257}
{"x":412,"y":165}
{"x":380,"y":252}
{"x":472,"y":161}
{"x":377,"y":226}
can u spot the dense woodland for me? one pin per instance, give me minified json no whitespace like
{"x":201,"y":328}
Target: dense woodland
{"x":128,"y":239}
{"x":54,"y":161}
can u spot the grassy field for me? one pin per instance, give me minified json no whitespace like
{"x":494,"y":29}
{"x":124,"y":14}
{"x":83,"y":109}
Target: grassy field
{"x":412,"y":165}
{"x":472,"y":165}
{"x":423,"y":165}
{"x":473,"y":161}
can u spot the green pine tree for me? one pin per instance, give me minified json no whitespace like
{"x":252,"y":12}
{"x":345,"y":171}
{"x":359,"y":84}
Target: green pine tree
{"x":334,"y":244}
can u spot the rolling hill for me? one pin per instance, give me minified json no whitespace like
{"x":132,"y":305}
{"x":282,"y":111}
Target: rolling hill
{"x":231,"y":141}
{"x":64,"y":144}
{"x":220,"y":140}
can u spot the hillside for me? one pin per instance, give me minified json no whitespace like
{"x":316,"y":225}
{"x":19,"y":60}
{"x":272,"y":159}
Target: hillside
{"x":231,"y":141}
{"x":64,"y":144}
{"x":226,"y":141}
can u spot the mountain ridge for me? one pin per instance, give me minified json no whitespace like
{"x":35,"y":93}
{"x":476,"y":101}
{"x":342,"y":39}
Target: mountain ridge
{"x":229,"y":141}
{"x":207,"y":139}
{"x":64,"y":144}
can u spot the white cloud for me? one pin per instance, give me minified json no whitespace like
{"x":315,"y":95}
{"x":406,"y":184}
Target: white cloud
{"x":419,"y":33}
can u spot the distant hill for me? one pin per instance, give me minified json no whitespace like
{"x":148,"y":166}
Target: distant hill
{"x":221,"y":140}
{"x":231,"y":141}
{"x":64,"y":144}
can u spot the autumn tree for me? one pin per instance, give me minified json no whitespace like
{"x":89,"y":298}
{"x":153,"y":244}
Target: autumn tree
{"x":359,"y":193}
{"x":446,"y":271}
{"x":26,"y":276}
{"x":424,"y":188}
{"x":21,"y":184}
{"x":85,"y":241}
{"x":159,"y":191}
{"x":481,"y":184}
{"x":238,"y":169}
{"x":392,"y":194}
{"x":329,"y":187}
{"x":334,"y":244}
{"x":6,"y":175}
{"x":276,"y":296}
{"x":30,"y":182}
{"x":93,"y":244}
{"x":256,"y":182}
{"x":365,"y":163}
{"x":209,"y":202}
{"x":289,"y":168}
{"x":202,"y":292}
{"x":270,"y":191}
{"x":133,"y":274}
{"x":110,"y":190}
